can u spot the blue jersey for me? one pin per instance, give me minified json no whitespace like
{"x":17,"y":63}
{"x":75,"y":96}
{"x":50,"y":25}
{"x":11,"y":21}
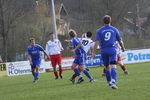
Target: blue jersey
{"x":107,"y":36}
{"x":34,"y":52}
{"x":75,"y":42}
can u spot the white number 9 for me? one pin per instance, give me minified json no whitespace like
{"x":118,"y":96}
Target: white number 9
{"x":107,"y":36}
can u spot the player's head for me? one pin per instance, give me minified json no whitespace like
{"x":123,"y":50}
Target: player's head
{"x":51,"y":36}
{"x":107,"y":19}
{"x":89,"y":34}
{"x":32,"y":41}
{"x":72,"y":33}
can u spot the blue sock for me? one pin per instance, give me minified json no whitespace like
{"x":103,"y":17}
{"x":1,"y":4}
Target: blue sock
{"x":113,"y":74}
{"x":87,"y":73}
{"x":108,"y":75}
{"x":76,"y":71}
{"x":36,"y":75}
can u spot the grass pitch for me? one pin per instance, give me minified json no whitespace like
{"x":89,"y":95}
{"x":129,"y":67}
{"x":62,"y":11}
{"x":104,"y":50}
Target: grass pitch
{"x":135,"y":86}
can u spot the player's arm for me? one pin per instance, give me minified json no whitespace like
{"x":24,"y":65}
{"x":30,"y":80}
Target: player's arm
{"x":60,"y":45}
{"x":76,"y":42}
{"x":78,"y":46}
{"x":30,"y":59}
{"x":41,"y":49}
{"x":97,"y":39}
{"x":68,"y":41}
{"x":122,"y":45}
{"x":119,"y":39}
{"x":94,"y":48}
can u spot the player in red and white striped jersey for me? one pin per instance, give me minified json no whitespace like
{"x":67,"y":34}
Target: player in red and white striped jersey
{"x":54,"y":48}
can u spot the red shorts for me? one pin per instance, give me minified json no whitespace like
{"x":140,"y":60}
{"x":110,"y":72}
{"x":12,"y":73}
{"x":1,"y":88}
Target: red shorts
{"x":119,"y":59}
{"x":56,"y":59}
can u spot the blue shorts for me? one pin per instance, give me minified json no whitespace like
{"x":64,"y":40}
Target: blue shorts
{"x":109,"y":56}
{"x":80,"y":59}
{"x":36,"y":63}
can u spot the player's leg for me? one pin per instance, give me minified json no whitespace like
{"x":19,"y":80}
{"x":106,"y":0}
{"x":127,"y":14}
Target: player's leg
{"x":75,"y":69}
{"x":32,"y":69}
{"x":74,"y":75}
{"x":105,"y":59}
{"x":123,"y":67}
{"x":59,"y":59}
{"x":113,"y":62}
{"x":36,"y":73}
{"x":54,"y":63}
{"x":82,"y":62}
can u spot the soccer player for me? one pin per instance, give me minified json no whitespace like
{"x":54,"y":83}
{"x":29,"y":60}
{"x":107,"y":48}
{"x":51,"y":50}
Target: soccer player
{"x":119,"y":61}
{"x":107,"y":36}
{"x":54,"y":48}
{"x":80,"y":57}
{"x":87,"y":43}
{"x":35,"y":58}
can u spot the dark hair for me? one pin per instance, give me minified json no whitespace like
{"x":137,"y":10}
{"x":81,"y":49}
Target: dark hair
{"x":107,"y":19}
{"x":31,"y":39}
{"x":89,"y":34}
{"x":72,"y":33}
{"x":50,"y":33}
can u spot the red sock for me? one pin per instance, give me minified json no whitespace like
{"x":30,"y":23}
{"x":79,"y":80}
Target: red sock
{"x":56,"y":74}
{"x":74,"y":76}
{"x":123,"y":67}
{"x":60,"y":71}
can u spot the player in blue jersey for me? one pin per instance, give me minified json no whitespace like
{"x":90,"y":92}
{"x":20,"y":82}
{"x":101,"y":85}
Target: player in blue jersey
{"x":80,"y":57}
{"x":35,"y":58}
{"x":107,"y":36}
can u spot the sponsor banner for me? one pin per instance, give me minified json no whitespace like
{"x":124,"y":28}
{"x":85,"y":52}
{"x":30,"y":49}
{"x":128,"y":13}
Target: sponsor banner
{"x":23,"y":67}
{"x":136,"y":56}
{"x":20,"y":68}
{"x":91,"y":62}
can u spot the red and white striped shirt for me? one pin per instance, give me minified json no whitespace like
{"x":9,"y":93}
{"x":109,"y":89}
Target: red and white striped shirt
{"x":53,"y":47}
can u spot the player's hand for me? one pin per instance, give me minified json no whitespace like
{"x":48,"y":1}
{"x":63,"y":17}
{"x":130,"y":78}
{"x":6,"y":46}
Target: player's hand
{"x":66,"y":40}
{"x":62,"y":49}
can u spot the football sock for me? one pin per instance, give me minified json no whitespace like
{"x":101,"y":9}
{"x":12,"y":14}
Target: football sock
{"x":123,"y":67}
{"x":56,"y":74}
{"x":87,"y":73}
{"x":60,"y":71}
{"x":76,"y":71}
{"x":73,"y":76}
{"x":113,"y":74}
{"x":108,"y":75}
{"x":36,"y":75}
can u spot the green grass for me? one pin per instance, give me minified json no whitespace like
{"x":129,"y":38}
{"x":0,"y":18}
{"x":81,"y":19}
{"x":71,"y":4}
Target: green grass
{"x":135,"y":86}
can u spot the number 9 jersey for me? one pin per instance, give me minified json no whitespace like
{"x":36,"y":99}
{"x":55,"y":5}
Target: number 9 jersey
{"x":107,"y":36}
